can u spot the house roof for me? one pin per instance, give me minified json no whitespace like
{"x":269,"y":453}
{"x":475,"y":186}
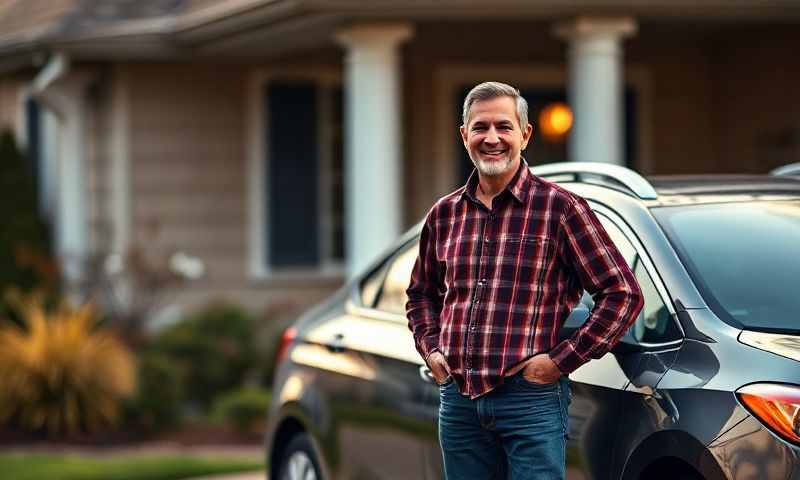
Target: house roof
{"x":109,"y":29}
{"x":24,"y":21}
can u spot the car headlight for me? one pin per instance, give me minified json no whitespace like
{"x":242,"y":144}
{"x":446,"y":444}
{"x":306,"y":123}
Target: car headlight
{"x":776,"y":405}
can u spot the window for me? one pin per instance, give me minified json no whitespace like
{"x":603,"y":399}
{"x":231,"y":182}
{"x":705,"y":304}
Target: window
{"x":385,"y":288}
{"x":743,"y":258}
{"x":304,"y":175}
{"x":371,"y":285}
{"x":654,"y":324}
{"x":392,"y":297}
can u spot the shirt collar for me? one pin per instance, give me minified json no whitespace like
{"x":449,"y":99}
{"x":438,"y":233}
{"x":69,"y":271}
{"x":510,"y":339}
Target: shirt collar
{"x":519,"y":186}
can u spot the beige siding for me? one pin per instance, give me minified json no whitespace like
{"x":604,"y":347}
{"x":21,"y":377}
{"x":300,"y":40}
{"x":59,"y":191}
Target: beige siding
{"x":188,"y":164}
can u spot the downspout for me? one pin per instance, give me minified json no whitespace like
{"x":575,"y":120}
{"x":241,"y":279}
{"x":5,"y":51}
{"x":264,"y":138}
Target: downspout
{"x":50,"y":114}
{"x":66,"y":167}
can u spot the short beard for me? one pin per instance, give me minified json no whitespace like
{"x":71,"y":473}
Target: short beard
{"x":492,"y":169}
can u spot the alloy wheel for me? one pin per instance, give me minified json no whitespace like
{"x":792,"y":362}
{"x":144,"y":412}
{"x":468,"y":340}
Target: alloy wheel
{"x":299,"y":467}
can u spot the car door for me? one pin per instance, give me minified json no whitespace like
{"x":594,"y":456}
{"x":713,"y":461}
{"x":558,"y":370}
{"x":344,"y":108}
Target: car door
{"x":647,"y":350}
{"x":379,"y":413}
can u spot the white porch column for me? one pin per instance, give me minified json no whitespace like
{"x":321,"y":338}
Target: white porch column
{"x":595,"y":87}
{"x":373,"y":144}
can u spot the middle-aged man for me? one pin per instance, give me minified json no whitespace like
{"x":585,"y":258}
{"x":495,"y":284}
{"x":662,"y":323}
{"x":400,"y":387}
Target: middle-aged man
{"x":502,"y":261}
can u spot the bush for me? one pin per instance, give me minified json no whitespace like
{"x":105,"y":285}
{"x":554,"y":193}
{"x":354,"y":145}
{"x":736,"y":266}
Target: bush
{"x":243,"y":409}
{"x":25,"y":260}
{"x":59,"y":373}
{"x":214,"y":350}
{"x":159,"y":398}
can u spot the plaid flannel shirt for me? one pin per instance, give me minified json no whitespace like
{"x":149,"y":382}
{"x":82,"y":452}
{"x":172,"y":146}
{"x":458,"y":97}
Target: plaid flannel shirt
{"x":492,"y":287}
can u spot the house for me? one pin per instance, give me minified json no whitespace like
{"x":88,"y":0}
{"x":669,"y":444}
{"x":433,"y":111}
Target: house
{"x":285,"y":143}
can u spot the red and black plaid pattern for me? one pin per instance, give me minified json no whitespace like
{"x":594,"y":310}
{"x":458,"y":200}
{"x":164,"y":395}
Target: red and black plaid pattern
{"x":492,"y":288}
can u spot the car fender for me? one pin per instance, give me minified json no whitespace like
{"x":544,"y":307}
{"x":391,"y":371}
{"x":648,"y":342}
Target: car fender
{"x":671,"y":444}
{"x":293,"y":416}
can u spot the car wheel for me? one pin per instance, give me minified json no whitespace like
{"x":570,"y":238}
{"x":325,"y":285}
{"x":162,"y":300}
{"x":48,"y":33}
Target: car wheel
{"x":298,"y":461}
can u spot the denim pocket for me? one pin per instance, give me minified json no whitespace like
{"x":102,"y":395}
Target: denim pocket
{"x":447,"y":381}
{"x":521,"y":380}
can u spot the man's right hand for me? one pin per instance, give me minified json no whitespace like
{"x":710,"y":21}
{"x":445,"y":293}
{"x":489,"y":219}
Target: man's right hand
{"x":438,"y":367}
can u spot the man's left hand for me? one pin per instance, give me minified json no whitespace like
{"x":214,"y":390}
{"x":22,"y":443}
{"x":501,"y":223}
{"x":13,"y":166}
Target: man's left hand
{"x":541,"y":369}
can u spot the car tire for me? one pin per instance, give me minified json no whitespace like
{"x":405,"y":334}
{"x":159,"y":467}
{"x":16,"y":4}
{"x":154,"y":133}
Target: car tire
{"x":681,"y":472}
{"x":298,"y":461}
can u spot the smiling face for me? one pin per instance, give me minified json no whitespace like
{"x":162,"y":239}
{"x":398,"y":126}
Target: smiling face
{"x":493,"y":136}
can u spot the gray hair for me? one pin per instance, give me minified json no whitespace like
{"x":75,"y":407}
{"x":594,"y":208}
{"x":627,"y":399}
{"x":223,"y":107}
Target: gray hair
{"x":490,"y":90}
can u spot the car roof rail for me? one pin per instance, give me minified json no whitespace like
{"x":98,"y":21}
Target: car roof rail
{"x":786,"y":170}
{"x":610,"y":174}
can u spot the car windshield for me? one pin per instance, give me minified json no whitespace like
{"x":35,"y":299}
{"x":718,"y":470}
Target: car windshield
{"x":744,"y":257}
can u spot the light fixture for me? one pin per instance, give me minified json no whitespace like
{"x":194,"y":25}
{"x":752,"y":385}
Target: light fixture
{"x":555,"y":121}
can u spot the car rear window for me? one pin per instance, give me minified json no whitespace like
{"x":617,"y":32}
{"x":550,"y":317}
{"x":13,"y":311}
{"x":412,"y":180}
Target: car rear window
{"x":744,"y":258}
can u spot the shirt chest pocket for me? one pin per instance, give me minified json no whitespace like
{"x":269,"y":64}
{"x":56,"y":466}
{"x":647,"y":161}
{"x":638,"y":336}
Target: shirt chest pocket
{"x":526,"y":256}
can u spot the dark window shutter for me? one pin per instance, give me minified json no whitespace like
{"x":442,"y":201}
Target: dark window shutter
{"x":338,"y":207}
{"x":292,"y":175}
{"x":32,"y":126}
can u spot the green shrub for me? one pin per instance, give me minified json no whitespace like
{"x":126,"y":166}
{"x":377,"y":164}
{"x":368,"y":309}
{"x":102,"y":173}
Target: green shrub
{"x":243,"y":409}
{"x":214,"y":350}
{"x":25,"y":260}
{"x":158,"y":402}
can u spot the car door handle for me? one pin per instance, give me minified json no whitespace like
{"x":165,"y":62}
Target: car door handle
{"x":426,"y":374}
{"x":336,"y":345}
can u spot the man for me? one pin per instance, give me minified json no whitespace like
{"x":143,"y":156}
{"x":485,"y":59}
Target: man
{"x":502,"y":261}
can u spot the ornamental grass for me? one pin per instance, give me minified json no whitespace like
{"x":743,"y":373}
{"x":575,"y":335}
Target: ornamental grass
{"x":60,"y":373}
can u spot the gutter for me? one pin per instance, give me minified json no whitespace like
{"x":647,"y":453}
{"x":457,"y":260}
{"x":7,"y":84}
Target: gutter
{"x":16,"y":62}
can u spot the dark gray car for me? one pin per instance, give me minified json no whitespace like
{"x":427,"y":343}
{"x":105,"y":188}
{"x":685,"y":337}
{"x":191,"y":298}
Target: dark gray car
{"x":705,"y":384}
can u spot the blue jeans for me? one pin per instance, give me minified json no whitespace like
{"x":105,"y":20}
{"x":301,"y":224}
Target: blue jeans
{"x":517,"y":431}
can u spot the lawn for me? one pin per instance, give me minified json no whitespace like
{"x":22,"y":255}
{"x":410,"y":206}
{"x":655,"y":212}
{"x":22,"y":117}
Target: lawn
{"x":15,"y":466}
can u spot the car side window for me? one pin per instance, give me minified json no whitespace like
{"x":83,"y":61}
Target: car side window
{"x":371,"y":285}
{"x":654,"y":324}
{"x":392,"y":296}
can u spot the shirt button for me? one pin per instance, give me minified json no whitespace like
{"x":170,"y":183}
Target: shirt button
{"x":486,"y":239}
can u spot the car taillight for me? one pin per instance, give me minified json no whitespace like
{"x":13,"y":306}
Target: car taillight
{"x":776,"y":405}
{"x":287,"y":338}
